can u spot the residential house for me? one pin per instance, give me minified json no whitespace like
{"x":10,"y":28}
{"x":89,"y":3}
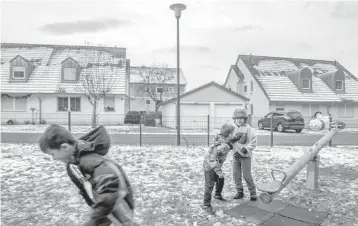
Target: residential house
{"x":305,"y":85}
{"x":151,"y":84}
{"x":43,"y":82}
{"x":200,"y":109}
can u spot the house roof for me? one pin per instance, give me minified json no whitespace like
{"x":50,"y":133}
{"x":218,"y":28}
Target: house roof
{"x":212,"y":83}
{"x":162,"y":75}
{"x":237,"y":71}
{"x":47,"y":59}
{"x":267,"y":71}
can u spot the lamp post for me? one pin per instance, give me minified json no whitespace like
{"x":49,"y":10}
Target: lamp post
{"x":177,"y":8}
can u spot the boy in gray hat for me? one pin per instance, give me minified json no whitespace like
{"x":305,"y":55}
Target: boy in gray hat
{"x":242,"y":152}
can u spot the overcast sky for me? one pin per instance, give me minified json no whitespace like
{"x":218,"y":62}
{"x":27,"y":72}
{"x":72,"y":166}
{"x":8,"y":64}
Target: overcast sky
{"x":212,"y":33}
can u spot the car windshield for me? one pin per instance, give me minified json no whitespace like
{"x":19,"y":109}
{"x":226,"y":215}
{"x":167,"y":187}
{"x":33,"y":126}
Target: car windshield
{"x":294,"y":114}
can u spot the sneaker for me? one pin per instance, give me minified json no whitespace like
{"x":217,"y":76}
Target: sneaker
{"x":239,"y":195}
{"x":220,"y":198}
{"x":253,"y":197}
{"x":209,"y":210}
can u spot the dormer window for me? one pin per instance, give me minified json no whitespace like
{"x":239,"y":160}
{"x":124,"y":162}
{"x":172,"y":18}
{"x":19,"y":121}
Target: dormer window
{"x":70,"y":70}
{"x":306,"y":83}
{"x":69,"y":74}
{"x":18,"y":72}
{"x":20,"y":69}
{"x":339,"y":85}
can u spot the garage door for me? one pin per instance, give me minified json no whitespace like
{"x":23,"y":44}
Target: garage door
{"x":195,"y":109}
{"x":194,"y":116}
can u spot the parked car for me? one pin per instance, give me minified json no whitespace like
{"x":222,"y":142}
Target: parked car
{"x":133,"y":117}
{"x":283,"y":120}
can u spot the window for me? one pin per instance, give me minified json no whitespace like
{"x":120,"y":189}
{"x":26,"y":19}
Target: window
{"x":306,"y":83}
{"x":69,"y":74}
{"x":62,"y":103}
{"x":147,"y":101}
{"x":159,"y":89}
{"x":346,"y":110}
{"x":309,"y":109}
{"x":170,"y":89}
{"x":18,"y":72}
{"x":13,"y":103}
{"x":109,"y":103}
{"x":339,"y":85}
{"x":252,"y":86}
{"x":229,"y":87}
{"x":280,"y":107}
{"x":75,"y":103}
{"x":245,"y":89}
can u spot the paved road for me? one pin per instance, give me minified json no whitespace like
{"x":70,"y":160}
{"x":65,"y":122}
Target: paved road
{"x":343,"y":138}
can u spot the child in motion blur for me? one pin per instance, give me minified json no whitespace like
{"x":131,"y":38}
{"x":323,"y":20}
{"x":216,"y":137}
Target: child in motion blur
{"x":102,"y":183}
{"x":213,"y":161}
{"x":242,"y":152}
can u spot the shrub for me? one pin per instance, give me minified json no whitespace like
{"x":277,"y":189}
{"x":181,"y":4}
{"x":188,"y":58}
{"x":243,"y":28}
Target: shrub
{"x":43,"y":121}
{"x":27,"y":122}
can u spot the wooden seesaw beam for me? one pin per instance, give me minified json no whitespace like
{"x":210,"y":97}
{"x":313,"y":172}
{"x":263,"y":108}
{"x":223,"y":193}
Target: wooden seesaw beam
{"x":272,"y":189}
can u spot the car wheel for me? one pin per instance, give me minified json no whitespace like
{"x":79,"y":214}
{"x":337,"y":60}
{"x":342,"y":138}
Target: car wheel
{"x":298,"y":130}
{"x":280,"y":127}
{"x":260,"y":125}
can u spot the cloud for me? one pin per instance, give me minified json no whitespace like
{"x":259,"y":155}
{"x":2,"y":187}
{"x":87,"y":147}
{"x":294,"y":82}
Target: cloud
{"x":83,"y":26}
{"x":249,"y":27}
{"x":345,"y":10}
{"x":185,"y":48}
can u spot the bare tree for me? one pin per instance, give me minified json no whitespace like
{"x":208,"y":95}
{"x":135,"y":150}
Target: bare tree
{"x":156,"y":81}
{"x":98,"y":75}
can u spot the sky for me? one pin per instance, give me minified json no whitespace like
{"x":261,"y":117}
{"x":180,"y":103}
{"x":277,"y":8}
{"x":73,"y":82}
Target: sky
{"x":212,"y":32}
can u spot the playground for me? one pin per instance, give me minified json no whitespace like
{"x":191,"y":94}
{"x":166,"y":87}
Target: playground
{"x":168,"y":185}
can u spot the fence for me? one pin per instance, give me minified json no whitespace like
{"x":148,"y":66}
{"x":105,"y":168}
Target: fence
{"x":195,"y":130}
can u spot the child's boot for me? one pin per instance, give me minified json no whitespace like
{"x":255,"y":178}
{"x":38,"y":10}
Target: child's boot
{"x":253,"y":196}
{"x":209,"y":210}
{"x":220,"y":198}
{"x":239,"y":194}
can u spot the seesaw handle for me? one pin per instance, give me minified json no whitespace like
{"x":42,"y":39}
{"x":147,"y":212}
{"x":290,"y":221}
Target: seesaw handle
{"x":280,"y":171}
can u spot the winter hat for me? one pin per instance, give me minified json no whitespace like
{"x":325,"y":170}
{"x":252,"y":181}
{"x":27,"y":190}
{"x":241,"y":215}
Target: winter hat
{"x":240,"y":113}
{"x":226,"y":129}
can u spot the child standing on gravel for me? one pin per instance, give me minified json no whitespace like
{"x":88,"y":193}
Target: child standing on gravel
{"x":103,"y":183}
{"x":213,"y":161}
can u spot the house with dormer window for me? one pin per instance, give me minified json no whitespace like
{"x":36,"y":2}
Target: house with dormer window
{"x":44,"y":82}
{"x":161,"y":81}
{"x":305,"y":85}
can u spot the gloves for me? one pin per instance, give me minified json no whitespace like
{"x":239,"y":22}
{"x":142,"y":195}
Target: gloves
{"x":243,"y":150}
{"x":236,"y":155}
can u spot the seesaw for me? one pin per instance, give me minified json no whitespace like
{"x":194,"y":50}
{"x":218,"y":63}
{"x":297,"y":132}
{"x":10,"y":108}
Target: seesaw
{"x":272,"y":189}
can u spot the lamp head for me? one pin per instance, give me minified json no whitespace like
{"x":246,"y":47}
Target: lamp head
{"x":177,"y":8}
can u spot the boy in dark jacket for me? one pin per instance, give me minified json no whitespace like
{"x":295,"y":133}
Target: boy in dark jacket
{"x":103,"y":183}
{"x":212,"y":166}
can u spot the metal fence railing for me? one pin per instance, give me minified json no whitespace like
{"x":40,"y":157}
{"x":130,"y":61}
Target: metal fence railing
{"x":194,"y":130}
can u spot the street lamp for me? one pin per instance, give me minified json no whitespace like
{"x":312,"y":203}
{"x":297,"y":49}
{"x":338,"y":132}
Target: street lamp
{"x":177,"y":8}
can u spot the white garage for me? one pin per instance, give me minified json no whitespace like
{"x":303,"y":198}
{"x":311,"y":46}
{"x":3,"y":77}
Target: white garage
{"x":210,"y":104}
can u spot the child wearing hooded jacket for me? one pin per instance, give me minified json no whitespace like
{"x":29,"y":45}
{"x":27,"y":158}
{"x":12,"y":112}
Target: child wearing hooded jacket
{"x":242,"y":152}
{"x":108,"y":189}
{"x":212,"y":166}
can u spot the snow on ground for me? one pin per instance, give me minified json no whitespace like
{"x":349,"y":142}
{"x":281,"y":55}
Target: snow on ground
{"x":135,"y":129}
{"x":168,"y":185}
